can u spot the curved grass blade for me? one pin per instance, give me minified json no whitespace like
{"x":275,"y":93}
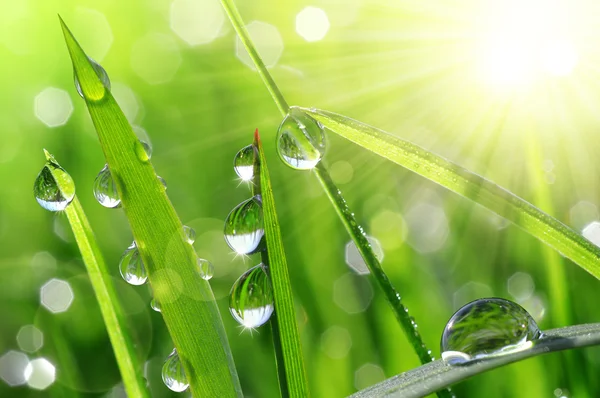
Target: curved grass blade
{"x":428,"y":378}
{"x":187,"y":302}
{"x":292,"y":373}
{"x":104,"y":290}
{"x":468,"y":184}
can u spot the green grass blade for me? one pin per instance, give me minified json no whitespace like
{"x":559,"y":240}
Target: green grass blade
{"x":286,"y":335}
{"x":108,"y":300}
{"x":187,"y":302}
{"x":468,"y":184}
{"x":428,"y":378}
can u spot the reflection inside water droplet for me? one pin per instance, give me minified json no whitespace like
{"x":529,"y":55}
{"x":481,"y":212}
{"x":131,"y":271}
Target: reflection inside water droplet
{"x":251,"y":298}
{"x":132,"y":267}
{"x":54,"y":188}
{"x":102,"y":75}
{"x":190,"y":234}
{"x":105,"y":189}
{"x":486,"y":328}
{"x":243,"y":162}
{"x":205,"y":268}
{"x":300,"y":140}
{"x":244,"y":226}
{"x":173,"y":374}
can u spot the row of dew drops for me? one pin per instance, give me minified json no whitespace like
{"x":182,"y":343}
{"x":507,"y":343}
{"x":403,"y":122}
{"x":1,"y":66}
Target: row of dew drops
{"x":484,"y":328}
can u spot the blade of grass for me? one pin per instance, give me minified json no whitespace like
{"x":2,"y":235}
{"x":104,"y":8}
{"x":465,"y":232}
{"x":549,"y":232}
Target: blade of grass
{"x":104,"y":290}
{"x":187,"y":302}
{"x":468,"y":184}
{"x":428,"y":378}
{"x":290,"y":362}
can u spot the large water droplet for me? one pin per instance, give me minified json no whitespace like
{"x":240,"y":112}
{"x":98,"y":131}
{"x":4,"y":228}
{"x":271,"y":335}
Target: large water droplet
{"x":300,"y":140}
{"x":243,"y":162}
{"x":244,"y":226}
{"x":105,"y":189}
{"x":486,"y":328}
{"x":54,"y":188}
{"x":251,"y":298}
{"x":132,"y":267}
{"x":190,"y":234}
{"x":102,"y":75}
{"x":206,"y":268}
{"x":173,"y":374}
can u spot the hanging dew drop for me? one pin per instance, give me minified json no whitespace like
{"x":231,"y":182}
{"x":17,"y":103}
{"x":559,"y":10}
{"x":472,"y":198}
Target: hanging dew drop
{"x":300,"y":140}
{"x":190,"y":234}
{"x":102,"y":75}
{"x":251,"y":298}
{"x":487,"y":328}
{"x":53,"y":188}
{"x":132,"y":267}
{"x":243,"y":162}
{"x":145,"y":151}
{"x":154,"y":304}
{"x":173,"y":374}
{"x":205,"y":268}
{"x":105,"y":189}
{"x":244,"y":226}
{"x":162,"y":181}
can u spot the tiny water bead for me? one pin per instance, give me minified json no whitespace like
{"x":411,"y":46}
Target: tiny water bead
{"x":190,"y":234}
{"x":162,"y":181}
{"x":244,"y":226}
{"x":243,"y":162}
{"x":251,"y":298}
{"x":485,"y":328}
{"x":300,"y":140}
{"x":206,"y":268}
{"x":173,"y":374}
{"x":105,"y":189}
{"x":102,"y":75}
{"x":132,"y":267}
{"x":54,"y":188}
{"x":155,"y":305}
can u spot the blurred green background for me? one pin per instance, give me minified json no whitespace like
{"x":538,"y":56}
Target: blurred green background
{"x":507,"y":89}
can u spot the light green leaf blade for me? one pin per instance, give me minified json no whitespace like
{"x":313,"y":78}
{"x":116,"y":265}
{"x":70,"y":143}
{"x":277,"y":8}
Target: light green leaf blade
{"x":187,"y":302}
{"x":468,"y":184}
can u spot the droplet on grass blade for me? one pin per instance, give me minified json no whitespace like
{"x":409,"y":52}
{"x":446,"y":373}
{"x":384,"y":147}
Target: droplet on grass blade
{"x":243,"y":162}
{"x":205,"y":268}
{"x":102,"y":75}
{"x":300,"y":140}
{"x":54,"y":188}
{"x":173,"y":374}
{"x":154,"y":304}
{"x":105,"y":189}
{"x":162,"y":181}
{"x":190,"y":234}
{"x":132,"y":267}
{"x":244,"y":226}
{"x":487,"y":328}
{"x":251,"y":298}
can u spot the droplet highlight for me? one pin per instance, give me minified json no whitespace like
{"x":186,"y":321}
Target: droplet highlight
{"x":300,"y":140}
{"x":102,"y":75}
{"x":132,"y":267}
{"x":244,"y":226}
{"x":205,"y":268}
{"x":243,"y":162}
{"x":105,"y":189}
{"x":53,"y":188}
{"x":251,"y":298}
{"x":190,"y":234}
{"x":487,"y":328}
{"x":155,"y":305}
{"x":173,"y":374}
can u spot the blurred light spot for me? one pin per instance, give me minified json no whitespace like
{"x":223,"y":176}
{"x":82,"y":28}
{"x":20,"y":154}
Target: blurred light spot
{"x":155,"y":58}
{"x":471,"y":291}
{"x":56,"y":295}
{"x":521,"y":286}
{"x":390,"y":227}
{"x":12,"y":368}
{"x":535,"y":306}
{"x":53,"y":107}
{"x":355,"y":260}
{"x":40,"y":374}
{"x":43,"y":261}
{"x":197,"y":22}
{"x":367,"y":375}
{"x":352,"y":293}
{"x":550,"y":178}
{"x":341,"y":172}
{"x":559,"y":57}
{"x":548,"y":165}
{"x":312,"y":24}
{"x":268,"y":43}
{"x":336,"y":342}
{"x":582,"y":213}
{"x":427,"y":227}
{"x":592,"y":232}
{"x":61,"y":230}
{"x":118,"y":391}
{"x":126,"y":99}
{"x":341,"y":12}
{"x":30,"y":339}
{"x":93,"y":32}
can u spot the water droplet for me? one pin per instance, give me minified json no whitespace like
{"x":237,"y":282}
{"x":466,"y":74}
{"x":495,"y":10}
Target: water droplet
{"x":190,"y":234}
{"x":251,"y":298}
{"x":162,"y":181}
{"x":132,"y":267}
{"x":143,"y":150}
{"x":243,"y":162}
{"x":206,"y":268}
{"x":485,"y":328}
{"x":300,"y":140}
{"x":173,"y":374}
{"x":54,"y":188}
{"x":102,"y":75}
{"x":105,"y":189}
{"x":154,"y":304}
{"x":244,"y":226}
